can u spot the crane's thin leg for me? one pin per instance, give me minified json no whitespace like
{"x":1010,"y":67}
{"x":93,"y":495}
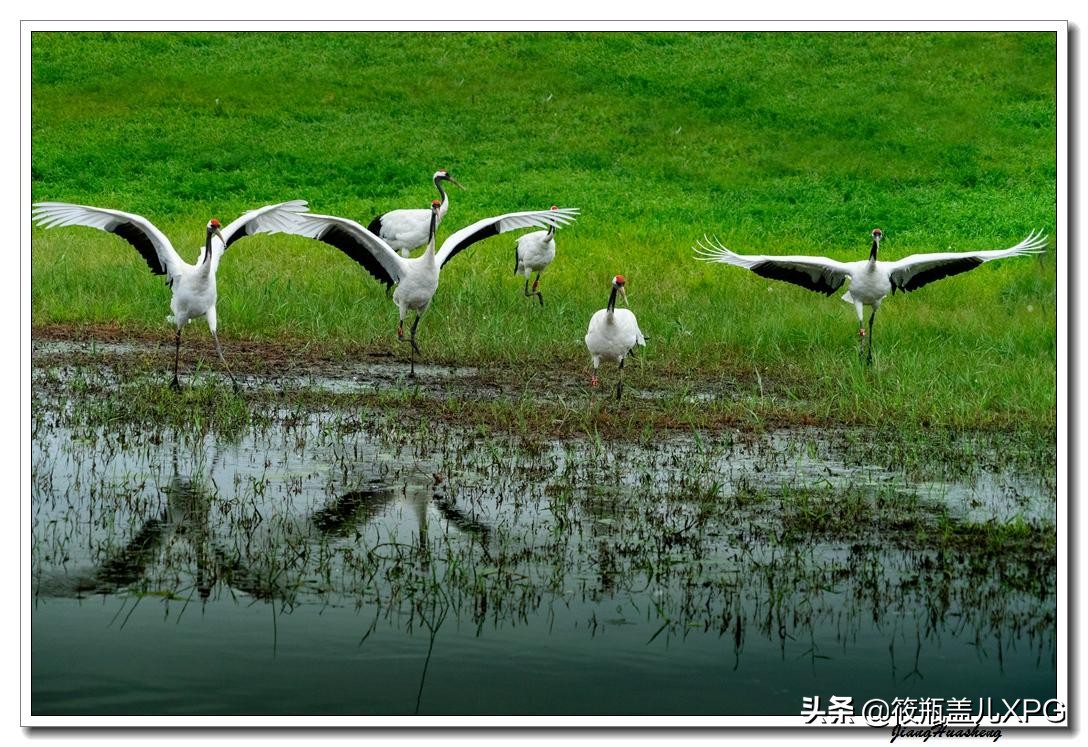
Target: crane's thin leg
{"x":212,"y":326}
{"x":619,"y":384}
{"x":534,"y":291}
{"x":400,"y":329}
{"x":413,"y":338}
{"x":223,"y":360}
{"x":177,"y":352}
{"x":593,"y":380}
{"x":861,"y":328}
{"x":538,"y":293}
{"x":415,"y":347}
{"x":871,"y":318}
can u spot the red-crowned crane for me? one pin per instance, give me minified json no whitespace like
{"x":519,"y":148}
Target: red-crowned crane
{"x":533,"y":252}
{"x":870,"y":279}
{"x":416,"y":278}
{"x":406,"y":229}
{"x":613,"y":334}
{"x":192,"y":286}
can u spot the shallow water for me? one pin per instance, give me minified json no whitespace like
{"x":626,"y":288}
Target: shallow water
{"x":345,"y":565}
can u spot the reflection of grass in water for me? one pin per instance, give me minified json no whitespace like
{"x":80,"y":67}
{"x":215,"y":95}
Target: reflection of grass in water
{"x":521,"y":525}
{"x":899,"y":519}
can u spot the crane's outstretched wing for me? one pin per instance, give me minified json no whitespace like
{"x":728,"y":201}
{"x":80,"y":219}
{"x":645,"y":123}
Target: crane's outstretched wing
{"x":268,"y":219}
{"x":488,"y":227}
{"x":149,"y":241}
{"x":820,"y":274}
{"x":376,"y":256}
{"x":911,"y":273}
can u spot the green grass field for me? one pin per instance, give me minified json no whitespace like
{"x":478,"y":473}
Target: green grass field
{"x":777,"y":143}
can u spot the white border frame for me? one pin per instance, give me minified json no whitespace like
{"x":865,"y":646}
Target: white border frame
{"x":1060,"y":28}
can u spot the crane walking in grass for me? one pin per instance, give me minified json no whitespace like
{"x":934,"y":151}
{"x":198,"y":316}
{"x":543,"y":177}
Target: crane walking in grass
{"x":416,"y":278}
{"x":533,"y":252}
{"x":613,"y":334}
{"x":192,"y":286}
{"x":871,"y":280}
{"x":406,"y":229}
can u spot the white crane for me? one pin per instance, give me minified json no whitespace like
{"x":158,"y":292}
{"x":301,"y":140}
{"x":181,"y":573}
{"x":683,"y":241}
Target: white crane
{"x":613,"y":334}
{"x":416,"y":278}
{"x":870,"y":280}
{"x":533,"y":252}
{"x":192,"y":286}
{"x":406,"y":229}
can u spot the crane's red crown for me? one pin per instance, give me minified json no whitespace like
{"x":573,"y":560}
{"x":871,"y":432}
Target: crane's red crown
{"x":214,"y":223}
{"x":436,"y":203}
{"x":618,"y":280}
{"x":555,"y":207}
{"x":877,"y":232}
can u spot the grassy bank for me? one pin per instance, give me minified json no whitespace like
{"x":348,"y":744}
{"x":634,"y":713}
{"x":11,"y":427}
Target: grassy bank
{"x":776,"y":143}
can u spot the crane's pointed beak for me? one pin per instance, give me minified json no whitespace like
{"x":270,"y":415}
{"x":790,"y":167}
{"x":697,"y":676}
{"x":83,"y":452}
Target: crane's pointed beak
{"x":623,"y":292}
{"x":454,"y":181}
{"x":212,"y":231}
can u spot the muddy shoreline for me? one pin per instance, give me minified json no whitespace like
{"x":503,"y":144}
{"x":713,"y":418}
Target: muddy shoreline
{"x":555,"y":399}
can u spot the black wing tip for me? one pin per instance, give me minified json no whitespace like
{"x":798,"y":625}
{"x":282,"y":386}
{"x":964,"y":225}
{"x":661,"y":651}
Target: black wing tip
{"x":337,"y":237}
{"x":801,"y":278}
{"x":135,"y":236}
{"x":920,"y":279}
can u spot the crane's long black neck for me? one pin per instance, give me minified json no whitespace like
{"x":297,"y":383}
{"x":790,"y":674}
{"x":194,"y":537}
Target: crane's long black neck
{"x":208,"y":248}
{"x":438,"y":185}
{"x":612,"y":299}
{"x":551,"y":230}
{"x":872,"y":251}
{"x":430,"y":236}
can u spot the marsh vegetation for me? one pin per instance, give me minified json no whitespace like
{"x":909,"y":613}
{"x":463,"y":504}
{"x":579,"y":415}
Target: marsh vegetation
{"x":763,"y":564}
